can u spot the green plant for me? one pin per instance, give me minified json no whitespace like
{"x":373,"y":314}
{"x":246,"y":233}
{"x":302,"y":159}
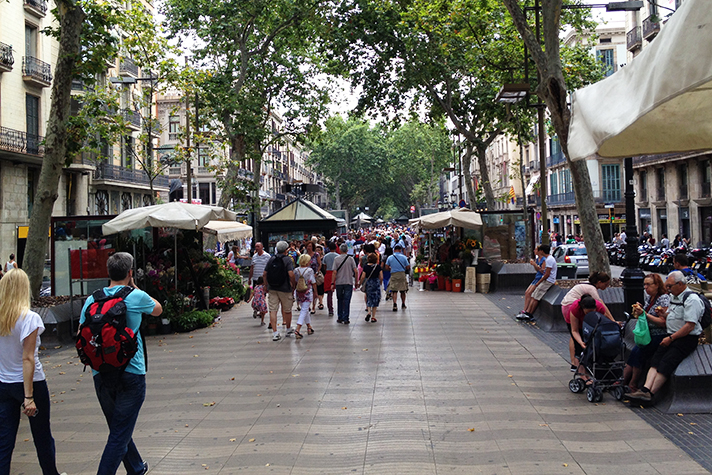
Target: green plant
{"x":444,"y":270}
{"x":457,"y":274}
{"x":189,"y":321}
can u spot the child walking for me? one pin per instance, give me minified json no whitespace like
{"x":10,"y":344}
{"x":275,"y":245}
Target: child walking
{"x":259,"y":302}
{"x":304,"y":293}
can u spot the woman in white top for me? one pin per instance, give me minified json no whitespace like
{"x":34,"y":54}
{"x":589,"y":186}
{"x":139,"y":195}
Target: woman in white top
{"x":22,"y":379}
{"x":11,"y":264}
{"x":304,"y":298}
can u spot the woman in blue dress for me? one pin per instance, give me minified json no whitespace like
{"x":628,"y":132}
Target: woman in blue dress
{"x":373,"y":275}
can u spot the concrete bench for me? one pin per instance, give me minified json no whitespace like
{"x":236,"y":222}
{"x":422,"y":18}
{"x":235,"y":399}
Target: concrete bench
{"x":689,"y":389}
{"x":511,"y":276}
{"x":548,"y":314}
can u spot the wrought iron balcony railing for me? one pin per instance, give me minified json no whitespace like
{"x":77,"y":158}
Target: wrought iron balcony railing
{"x":38,"y":6}
{"x":6,"y":59}
{"x":634,"y":39}
{"x":651,"y":27}
{"x":555,"y":159}
{"x":128,"y":66}
{"x":107,"y":171}
{"x":21,"y":142}
{"x":37,"y":71}
{"x":132,"y":117}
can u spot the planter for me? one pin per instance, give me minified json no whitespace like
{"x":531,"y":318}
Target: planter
{"x":441,"y":282}
{"x":457,"y":285}
{"x":448,"y":285}
{"x":483,"y":283}
{"x":165,"y":326}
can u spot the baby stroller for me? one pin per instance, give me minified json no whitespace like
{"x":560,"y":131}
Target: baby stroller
{"x":603,"y":358}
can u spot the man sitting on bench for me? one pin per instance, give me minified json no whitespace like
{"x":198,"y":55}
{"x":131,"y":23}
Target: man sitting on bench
{"x":683,"y":327}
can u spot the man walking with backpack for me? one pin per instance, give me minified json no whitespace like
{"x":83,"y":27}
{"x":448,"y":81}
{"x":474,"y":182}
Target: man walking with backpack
{"x":120,"y":390}
{"x":279,"y":277}
{"x":683,"y":319}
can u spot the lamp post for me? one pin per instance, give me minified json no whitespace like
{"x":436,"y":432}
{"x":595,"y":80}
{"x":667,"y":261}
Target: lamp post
{"x":632,"y":276}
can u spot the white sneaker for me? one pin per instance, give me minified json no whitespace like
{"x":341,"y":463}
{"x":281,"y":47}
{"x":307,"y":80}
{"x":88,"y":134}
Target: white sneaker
{"x":290,"y":331}
{"x":276,"y":336}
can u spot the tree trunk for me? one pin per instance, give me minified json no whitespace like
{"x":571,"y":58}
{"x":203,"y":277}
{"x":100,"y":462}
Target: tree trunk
{"x":337,"y":193}
{"x":70,"y":16}
{"x":466,"y":166}
{"x":485,"y":178}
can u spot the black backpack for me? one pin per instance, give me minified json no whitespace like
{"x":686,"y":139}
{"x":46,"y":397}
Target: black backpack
{"x":105,"y":341}
{"x":706,"y":319}
{"x":276,"y":272}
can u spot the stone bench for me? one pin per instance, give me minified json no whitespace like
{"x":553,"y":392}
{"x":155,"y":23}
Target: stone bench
{"x":689,"y":389}
{"x":59,"y":327}
{"x":548,"y":313}
{"x":511,"y":276}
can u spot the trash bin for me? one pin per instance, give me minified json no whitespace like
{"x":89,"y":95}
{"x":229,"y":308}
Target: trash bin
{"x":565,"y":271}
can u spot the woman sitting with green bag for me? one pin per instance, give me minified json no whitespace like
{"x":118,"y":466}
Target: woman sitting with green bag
{"x":656,"y":298}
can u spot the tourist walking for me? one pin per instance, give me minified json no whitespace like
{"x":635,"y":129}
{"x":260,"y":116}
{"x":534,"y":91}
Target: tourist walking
{"x":328,"y":262}
{"x":399,"y":267}
{"x":345,"y":277}
{"x":304,"y":293}
{"x":315,"y":264}
{"x":259,"y":262}
{"x":259,"y":300}
{"x":279,"y":276}
{"x":23,"y":389}
{"x":11,"y":264}
{"x":372,"y":275}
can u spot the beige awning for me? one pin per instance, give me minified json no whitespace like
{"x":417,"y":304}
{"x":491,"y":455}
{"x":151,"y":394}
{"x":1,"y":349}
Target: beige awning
{"x":660,"y":102}
{"x":169,"y":215}
{"x":228,"y":230}
{"x":462,"y":217}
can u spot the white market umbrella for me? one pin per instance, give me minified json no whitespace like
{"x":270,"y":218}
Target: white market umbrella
{"x":461,"y":217}
{"x":661,"y":102}
{"x":228,"y":230}
{"x":170,"y":215}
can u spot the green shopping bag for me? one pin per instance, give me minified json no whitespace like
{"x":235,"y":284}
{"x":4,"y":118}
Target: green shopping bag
{"x":641,"y":332}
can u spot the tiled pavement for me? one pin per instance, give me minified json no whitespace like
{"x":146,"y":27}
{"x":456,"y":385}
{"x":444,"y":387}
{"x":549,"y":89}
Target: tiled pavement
{"x":450,"y":385}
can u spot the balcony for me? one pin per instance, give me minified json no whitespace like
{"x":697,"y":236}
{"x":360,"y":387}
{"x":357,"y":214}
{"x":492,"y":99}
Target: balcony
{"x":21,"y":142}
{"x":609,"y":195}
{"x":651,"y":27}
{"x":555,"y":159}
{"x":634,"y":39}
{"x":133,"y":118}
{"x":107,"y":172}
{"x":705,"y":190}
{"x":36,"y":7}
{"x":6,"y":59}
{"x":561,"y":199}
{"x":36,"y":72}
{"x":128,"y":67}
{"x":203,"y":171}
{"x":661,"y":194}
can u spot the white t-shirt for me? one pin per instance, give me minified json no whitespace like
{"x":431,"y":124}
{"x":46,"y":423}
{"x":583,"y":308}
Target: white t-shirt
{"x":11,"y":349}
{"x":550,"y":262}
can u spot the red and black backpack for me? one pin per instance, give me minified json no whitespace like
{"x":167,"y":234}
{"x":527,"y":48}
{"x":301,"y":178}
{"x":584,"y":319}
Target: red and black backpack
{"x":105,"y":341}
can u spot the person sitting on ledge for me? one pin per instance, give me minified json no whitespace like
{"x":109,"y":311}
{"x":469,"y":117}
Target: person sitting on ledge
{"x":544,"y":284}
{"x":682,"y":320}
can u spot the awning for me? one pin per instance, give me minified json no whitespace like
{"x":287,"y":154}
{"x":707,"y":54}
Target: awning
{"x":530,"y":187}
{"x":228,"y":230}
{"x":169,"y":215}
{"x":660,"y":102}
{"x":462,"y":217}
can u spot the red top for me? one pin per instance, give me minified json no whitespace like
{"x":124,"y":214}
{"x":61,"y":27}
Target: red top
{"x":577,"y":311}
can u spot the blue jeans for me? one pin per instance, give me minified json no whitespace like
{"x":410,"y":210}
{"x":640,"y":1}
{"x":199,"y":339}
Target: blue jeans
{"x":343,"y":301}
{"x":12,"y":395}
{"x":120,"y":397}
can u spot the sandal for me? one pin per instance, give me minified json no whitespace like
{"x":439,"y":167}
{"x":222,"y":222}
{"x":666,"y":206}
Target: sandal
{"x":395,"y":307}
{"x":321,"y":306}
{"x":312,"y":312}
{"x":310,"y":331}
{"x":368,"y":317}
{"x":298,"y":335}
{"x":373,"y":320}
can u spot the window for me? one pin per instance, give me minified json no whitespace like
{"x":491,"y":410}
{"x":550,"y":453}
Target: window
{"x":652,"y":8}
{"x":566,"y":184}
{"x":31,"y":41}
{"x":127,"y":152}
{"x":203,"y":157}
{"x":553,"y":184}
{"x":32,"y":121}
{"x":643,"y":185}
{"x":611,"y":178}
{"x":682,"y":180}
{"x":173,"y":126}
{"x":607,"y":59}
{"x":660,"y":178}
{"x":706,"y":177}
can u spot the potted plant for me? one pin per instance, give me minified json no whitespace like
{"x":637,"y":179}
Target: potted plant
{"x":457,"y":277}
{"x":443,"y":271}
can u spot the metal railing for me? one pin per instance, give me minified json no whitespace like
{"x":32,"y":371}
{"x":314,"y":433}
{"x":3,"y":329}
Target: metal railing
{"x":555,"y":159}
{"x":36,"y":69}
{"x":705,"y":190}
{"x":561,"y":199}
{"x":39,"y":5}
{"x":13,"y":140}
{"x":634,"y":39}
{"x":128,"y":66}
{"x":683,"y":192}
{"x":6,"y":59}
{"x":132,"y":117}
{"x":606,"y":195}
{"x":651,"y":27}
{"x":106,"y":171}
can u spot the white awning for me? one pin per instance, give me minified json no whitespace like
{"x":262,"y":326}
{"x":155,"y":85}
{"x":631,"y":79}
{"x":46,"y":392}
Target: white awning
{"x":530,"y":187}
{"x":661,"y":102}
{"x":228,"y":230}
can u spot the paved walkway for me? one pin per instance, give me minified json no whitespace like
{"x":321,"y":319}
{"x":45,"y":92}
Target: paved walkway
{"x":451,"y":385}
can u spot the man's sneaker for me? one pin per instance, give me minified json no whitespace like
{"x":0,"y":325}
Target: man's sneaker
{"x":290,"y":331}
{"x":641,"y":395}
{"x":525,"y":317}
{"x":573,"y":368}
{"x":276,"y":337}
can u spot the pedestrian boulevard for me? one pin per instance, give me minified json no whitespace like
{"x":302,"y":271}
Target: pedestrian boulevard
{"x":451,"y":385}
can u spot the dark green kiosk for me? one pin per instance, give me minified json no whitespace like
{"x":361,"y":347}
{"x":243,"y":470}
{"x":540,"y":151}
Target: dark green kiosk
{"x":296,"y":221}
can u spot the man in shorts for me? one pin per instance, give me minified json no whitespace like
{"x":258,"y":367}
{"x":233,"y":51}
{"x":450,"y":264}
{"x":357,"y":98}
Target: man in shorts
{"x":538,"y":263}
{"x":682,"y":320}
{"x":544,"y":284}
{"x":279,"y":278}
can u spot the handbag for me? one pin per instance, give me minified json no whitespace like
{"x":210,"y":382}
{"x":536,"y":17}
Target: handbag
{"x":363,"y":285}
{"x":641,"y":332}
{"x":319,"y":276}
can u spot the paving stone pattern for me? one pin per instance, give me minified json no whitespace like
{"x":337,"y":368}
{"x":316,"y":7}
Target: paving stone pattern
{"x":690,"y":432}
{"x":452,"y":385}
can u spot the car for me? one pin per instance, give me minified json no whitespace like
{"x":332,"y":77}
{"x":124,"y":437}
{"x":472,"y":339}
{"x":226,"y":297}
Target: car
{"x":573,"y":254}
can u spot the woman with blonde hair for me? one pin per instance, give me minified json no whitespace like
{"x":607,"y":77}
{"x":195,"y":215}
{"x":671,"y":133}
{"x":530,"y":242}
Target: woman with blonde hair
{"x":304,"y":296}
{"x":22,"y":379}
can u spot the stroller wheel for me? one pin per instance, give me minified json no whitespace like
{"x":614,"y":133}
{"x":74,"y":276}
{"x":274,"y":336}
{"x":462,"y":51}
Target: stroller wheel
{"x":618,"y":392}
{"x":591,"y":395}
{"x":599,"y":395}
{"x":576,"y":385}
